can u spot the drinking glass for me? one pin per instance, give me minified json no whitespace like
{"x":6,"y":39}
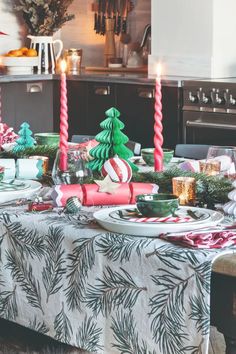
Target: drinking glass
{"x":70,"y":167}
{"x":225,"y":155}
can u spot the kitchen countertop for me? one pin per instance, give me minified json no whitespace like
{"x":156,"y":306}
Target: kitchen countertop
{"x":111,"y":77}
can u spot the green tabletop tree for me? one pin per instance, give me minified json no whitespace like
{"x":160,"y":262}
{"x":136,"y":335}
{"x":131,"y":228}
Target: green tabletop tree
{"x":25,"y":139}
{"x":111,"y":142}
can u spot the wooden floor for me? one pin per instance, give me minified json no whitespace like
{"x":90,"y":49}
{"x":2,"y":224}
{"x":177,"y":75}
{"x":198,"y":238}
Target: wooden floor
{"x":15,"y":339}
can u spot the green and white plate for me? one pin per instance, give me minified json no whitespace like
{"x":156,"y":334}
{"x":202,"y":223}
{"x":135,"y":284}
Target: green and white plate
{"x":182,"y":215}
{"x":105,"y":218}
{"x":15,"y":185}
{"x":18,"y":189}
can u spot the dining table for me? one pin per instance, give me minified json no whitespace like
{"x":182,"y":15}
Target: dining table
{"x":65,"y":276}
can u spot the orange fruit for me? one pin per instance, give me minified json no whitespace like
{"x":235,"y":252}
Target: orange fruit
{"x":15,"y":52}
{"x":31,"y":52}
{"x":24,"y":50}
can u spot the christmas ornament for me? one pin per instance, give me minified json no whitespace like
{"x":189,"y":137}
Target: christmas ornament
{"x":107,"y":186}
{"x":73,"y":205}
{"x":111,"y":142}
{"x":117,"y":169}
{"x":25,"y":139}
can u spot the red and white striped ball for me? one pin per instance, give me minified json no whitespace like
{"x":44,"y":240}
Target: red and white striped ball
{"x":117,"y":169}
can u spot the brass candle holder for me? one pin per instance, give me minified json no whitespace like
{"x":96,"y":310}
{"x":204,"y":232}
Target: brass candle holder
{"x":185,"y":189}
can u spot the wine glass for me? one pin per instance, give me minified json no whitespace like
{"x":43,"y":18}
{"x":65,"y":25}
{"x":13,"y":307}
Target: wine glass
{"x":220,"y":160}
{"x":70,"y":167}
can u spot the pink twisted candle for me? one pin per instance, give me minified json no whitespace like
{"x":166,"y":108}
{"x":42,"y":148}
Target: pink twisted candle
{"x":63,"y":122}
{"x":158,"y":138}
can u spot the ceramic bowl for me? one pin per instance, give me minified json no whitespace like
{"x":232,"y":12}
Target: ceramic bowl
{"x":19,"y":65}
{"x":47,"y":138}
{"x":157,"y":205}
{"x":148,"y":156}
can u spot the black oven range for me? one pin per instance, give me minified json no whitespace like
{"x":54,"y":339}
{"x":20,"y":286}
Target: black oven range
{"x":209,"y":111}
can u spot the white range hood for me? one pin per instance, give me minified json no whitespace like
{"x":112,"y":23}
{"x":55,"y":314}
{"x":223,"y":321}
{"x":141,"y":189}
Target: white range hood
{"x":194,"y":38}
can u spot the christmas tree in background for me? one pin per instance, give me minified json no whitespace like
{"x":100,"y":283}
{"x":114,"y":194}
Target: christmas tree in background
{"x":25,"y":139}
{"x":111,"y":142}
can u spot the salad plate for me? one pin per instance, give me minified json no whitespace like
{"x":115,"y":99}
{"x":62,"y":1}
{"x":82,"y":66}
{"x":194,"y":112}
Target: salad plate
{"x":18,"y":189}
{"x":110,"y":220}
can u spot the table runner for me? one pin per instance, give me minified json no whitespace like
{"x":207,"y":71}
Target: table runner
{"x":104,"y":292}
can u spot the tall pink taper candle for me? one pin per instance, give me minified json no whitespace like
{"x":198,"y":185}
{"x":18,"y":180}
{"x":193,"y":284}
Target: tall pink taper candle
{"x":158,"y":138}
{"x":63,"y":119}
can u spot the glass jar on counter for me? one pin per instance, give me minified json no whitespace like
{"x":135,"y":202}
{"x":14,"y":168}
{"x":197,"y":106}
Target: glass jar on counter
{"x":73,"y":59}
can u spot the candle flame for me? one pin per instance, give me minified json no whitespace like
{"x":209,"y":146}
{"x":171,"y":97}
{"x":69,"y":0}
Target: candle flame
{"x":63,"y":66}
{"x":158,"y":70}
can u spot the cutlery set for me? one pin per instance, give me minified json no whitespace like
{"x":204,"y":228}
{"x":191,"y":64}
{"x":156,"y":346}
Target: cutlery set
{"x":112,"y":9}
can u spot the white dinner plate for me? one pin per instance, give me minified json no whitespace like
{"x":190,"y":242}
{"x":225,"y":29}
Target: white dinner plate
{"x":24,"y":189}
{"x":103,"y":217}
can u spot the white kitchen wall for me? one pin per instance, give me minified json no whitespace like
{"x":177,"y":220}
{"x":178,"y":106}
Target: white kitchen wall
{"x":194,"y":38}
{"x":77,"y":33}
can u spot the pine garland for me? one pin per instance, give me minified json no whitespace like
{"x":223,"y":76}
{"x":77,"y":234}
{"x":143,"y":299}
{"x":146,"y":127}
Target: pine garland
{"x":210,"y":190}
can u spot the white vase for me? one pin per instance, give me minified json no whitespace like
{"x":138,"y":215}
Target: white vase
{"x":49,"y":51}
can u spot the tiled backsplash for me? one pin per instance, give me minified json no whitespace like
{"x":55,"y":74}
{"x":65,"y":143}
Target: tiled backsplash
{"x":77,"y":33}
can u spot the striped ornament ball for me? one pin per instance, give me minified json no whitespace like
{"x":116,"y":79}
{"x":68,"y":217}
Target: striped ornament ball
{"x":117,"y":169}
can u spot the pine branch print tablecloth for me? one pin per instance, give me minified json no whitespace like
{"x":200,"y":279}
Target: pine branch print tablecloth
{"x":107,"y":293}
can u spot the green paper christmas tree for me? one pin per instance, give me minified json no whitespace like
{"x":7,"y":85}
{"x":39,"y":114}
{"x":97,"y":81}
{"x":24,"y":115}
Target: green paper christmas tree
{"x":25,"y":139}
{"x":111,"y":142}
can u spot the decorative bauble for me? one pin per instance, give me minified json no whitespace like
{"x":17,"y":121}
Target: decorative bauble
{"x":117,"y":169}
{"x":73,"y":205}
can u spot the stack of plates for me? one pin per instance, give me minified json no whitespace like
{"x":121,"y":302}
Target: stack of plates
{"x":18,"y":189}
{"x":127,"y":220}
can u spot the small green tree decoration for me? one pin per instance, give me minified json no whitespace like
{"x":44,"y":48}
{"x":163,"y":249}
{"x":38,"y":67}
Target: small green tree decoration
{"x":111,"y":142}
{"x":25,"y":139}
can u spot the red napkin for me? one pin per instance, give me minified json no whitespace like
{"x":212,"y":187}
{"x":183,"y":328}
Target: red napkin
{"x":219,"y":239}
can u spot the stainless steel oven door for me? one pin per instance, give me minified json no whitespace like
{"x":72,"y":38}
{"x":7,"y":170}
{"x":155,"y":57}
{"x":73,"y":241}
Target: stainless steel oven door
{"x":209,"y":128}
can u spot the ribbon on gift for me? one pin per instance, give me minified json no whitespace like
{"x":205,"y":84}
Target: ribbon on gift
{"x":89,"y":193}
{"x":214,"y":239}
{"x":29,"y":169}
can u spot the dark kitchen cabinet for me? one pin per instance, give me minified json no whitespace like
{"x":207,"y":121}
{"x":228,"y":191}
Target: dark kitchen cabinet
{"x":101,"y":97}
{"x":136,"y":104}
{"x":88,"y":102}
{"x":77,"y":107}
{"x":28,"y":102}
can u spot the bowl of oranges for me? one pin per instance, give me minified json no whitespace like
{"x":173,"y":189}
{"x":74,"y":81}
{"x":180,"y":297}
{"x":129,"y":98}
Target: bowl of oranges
{"x":20,"y":61}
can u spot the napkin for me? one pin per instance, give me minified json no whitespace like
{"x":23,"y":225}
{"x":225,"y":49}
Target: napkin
{"x":215,"y":239}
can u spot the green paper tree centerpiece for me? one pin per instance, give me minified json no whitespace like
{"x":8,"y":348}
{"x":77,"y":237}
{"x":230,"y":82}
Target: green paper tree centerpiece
{"x":111,"y":142}
{"x":25,"y":139}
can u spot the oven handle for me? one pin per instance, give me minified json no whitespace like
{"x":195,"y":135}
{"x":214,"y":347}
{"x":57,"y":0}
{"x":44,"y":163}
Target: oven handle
{"x":209,"y":125}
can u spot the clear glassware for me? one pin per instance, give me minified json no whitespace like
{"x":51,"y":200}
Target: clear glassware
{"x":226,"y":156}
{"x":70,"y":167}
